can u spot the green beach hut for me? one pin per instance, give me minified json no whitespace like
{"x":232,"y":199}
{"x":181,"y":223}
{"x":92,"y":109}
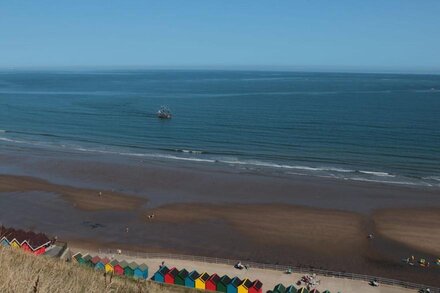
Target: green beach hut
{"x":87,"y":260}
{"x":303,"y":290}
{"x":279,"y":289}
{"x":222,"y":284}
{"x":129,"y":269}
{"x":291,"y":289}
{"x":180,"y":278}
{"x":77,"y":257}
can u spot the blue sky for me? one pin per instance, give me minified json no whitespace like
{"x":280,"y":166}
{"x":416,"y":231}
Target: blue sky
{"x":394,"y":35}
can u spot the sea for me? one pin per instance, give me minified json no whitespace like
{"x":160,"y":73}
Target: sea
{"x":349,"y":126}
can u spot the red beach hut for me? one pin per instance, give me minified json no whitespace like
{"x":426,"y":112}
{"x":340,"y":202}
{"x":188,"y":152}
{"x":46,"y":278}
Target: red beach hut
{"x":211,"y":284}
{"x":118,"y":268}
{"x":171,"y":275}
{"x":257,"y":287}
{"x":95,"y":260}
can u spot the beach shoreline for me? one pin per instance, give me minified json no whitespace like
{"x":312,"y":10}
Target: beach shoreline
{"x":300,"y":221}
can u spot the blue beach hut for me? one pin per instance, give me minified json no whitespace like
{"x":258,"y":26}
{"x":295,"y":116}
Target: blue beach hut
{"x":4,"y":242}
{"x":159,"y":276}
{"x":190,"y":280}
{"x":141,"y":272}
{"x":233,"y":286}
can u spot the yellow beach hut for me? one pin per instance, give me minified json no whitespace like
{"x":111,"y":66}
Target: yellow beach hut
{"x":200,"y":282}
{"x":109,"y":267}
{"x":15,"y":244}
{"x":244,"y":286}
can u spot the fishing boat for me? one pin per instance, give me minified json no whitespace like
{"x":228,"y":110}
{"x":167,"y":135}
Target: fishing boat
{"x":164,"y":113}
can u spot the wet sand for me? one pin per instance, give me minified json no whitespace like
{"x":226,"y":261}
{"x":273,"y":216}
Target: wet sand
{"x":85,"y":199}
{"x":417,"y":228}
{"x":296,"y":220}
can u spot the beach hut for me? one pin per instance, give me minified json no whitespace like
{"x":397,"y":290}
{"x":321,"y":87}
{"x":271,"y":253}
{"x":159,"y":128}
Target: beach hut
{"x":95,"y":260}
{"x":171,"y":275}
{"x":326,"y":291}
{"x":222,"y":284}
{"x":118,"y":267}
{"x":303,"y":290}
{"x":77,"y":256}
{"x":180,"y":278}
{"x":233,"y":286}
{"x":279,"y":289}
{"x":314,"y":291}
{"x":200,"y":282}
{"x":190,"y":280}
{"x":141,"y":272}
{"x":211,"y":284}
{"x":100,"y":265}
{"x":15,"y":244}
{"x":109,"y":267}
{"x":4,"y":242}
{"x":26,"y":247}
{"x":244,"y":286}
{"x":291,"y":289}
{"x":87,"y":260}
{"x":129,"y":270}
{"x":159,"y":276}
{"x":257,"y":287}
{"x":39,"y":243}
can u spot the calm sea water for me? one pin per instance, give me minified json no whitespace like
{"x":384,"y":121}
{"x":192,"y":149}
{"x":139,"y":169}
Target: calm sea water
{"x":352,"y":126}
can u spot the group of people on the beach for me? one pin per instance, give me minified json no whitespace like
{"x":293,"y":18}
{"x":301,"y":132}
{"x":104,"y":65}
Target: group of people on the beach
{"x":421,"y":262}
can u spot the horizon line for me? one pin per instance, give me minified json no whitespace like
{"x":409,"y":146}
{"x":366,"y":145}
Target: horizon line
{"x":286,"y":68}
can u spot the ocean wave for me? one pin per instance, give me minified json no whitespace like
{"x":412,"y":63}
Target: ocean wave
{"x":374,"y":173}
{"x":11,"y":140}
{"x":297,"y":167}
{"x":201,"y":157}
{"x":189,"y":151}
{"x":389,"y":182}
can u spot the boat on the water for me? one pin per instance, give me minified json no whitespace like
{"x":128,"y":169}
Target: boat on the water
{"x":164,"y":113}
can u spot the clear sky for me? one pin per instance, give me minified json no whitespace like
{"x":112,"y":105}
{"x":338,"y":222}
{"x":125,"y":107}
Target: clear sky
{"x":395,"y":35}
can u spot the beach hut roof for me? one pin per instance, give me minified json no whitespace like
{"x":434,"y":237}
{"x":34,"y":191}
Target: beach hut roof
{"x":163,"y":270}
{"x":9,"y":233}
{"x":114,"y":262}
{"x":87,"y":257}
{"x":247,"y":283}
{"x":214,"y":278}
{"x":225,"y":279}
{"x":303,"y":290}
{"x":95,"y":259}
{"x":257,"y":284}
{"x":173,"y":272}
{"x":204,"y":277}
{"x":104,"y":260}
{"x":143,"y":267}
{"x":280,"y":287}
{"x":38,"y":240}
{"x":291,"y":289}
{"x":183,"y":273}
{"x":133,"y":265}
{"x":326,"y":291}
{"x":236,"y":281}
{"x":123,"y":264}
{"x":77,"y":256}
{"x":193,"y":275}
{"x":314,"y":291}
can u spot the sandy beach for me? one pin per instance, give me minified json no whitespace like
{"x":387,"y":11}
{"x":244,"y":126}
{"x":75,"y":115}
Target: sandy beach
{"x":301,"y":221}
{"x":86,"y":199}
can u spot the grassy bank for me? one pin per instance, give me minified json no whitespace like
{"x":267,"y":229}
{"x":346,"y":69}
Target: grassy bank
{"x":23,"y":272}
